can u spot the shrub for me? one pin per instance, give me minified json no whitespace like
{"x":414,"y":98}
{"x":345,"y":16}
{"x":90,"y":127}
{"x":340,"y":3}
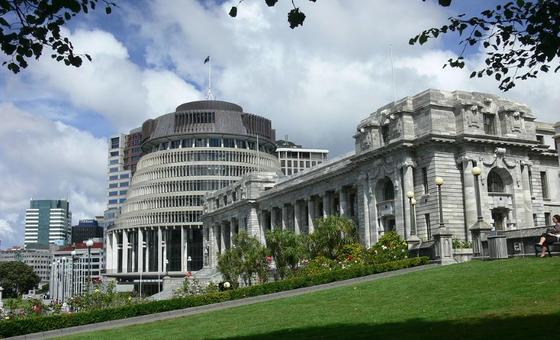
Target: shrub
{"x":390,"y":247}
{"x":229,"y":264}
{"x":460,"y":244}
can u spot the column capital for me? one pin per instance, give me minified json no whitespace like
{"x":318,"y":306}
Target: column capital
{"x":465,"y":159}
{"x":407,"y":163}
{"x":528,"y":164}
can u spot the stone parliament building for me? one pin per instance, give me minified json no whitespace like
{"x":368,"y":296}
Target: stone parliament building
{"x":400,"y":149}
{"x":209,"y":170}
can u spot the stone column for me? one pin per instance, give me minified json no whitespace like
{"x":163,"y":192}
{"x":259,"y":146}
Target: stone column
{"x":527,"y":200}
{"x":115,"y":253}
{"x":223,"y":236}
{"x":469,"y":195}
{"x":125,"y":252}
{"x":159,"y":248}
{"x":109,"y":241}
{"x":182,"y":249}
{"x":140,"y":254}
{"x":365,"y":202}
{"x":284,"y":217}
{"x":310,"y":214}
{"x":297,"y":216}
{"x":326,"y":204}
{"x":273,"y":222}
{"x":343,"y":198}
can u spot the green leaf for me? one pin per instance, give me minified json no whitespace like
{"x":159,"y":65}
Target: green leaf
{"x":108,"y":9}
{"x":271,"y":3}
{"x":233,"y":12}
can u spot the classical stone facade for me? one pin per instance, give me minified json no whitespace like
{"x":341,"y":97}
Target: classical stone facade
{"x":400,"y":148}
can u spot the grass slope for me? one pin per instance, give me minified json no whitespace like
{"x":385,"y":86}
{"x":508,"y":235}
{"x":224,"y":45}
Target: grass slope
{"x":513,"y":299}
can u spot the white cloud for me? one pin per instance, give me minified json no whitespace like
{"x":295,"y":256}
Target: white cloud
{"x":112,"y":85}
{"x":318,"y":81}
{"x":44,"y":159}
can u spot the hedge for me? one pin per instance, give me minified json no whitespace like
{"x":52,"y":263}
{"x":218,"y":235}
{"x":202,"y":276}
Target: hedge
{"x":16,"y":327}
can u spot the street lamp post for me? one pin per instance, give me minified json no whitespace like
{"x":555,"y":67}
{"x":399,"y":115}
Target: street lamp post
{"x":439,"y":183}
{"x":63,"y":279}
{"x":443,"y":236}
{"x":189,"y":266}
{"x":89,"y":244}
{"x":480,"y":226}
{"x":413,"y":240}
{"x":1,"y":303}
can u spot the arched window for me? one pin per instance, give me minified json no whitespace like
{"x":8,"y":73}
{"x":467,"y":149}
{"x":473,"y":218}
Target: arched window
{"x":388,"y":191}
{"x":495,"y":183}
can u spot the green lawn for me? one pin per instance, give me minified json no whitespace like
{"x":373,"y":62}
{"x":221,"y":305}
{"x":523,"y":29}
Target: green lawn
{"x":510,"y":299}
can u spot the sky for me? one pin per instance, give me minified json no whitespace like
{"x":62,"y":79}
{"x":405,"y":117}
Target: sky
{"x":315,"y":83}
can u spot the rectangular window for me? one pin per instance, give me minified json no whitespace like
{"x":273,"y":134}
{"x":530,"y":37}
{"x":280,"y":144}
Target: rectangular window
{"x":113,"y":185}
{"x":547,"y":219}
{"x":112,"y":178}
{"x":489,"y":124}
{"x":307,"y":164}
{"x":531,"y":183}
{"x":123,"y":184}
{"x":122,"y":200}
{"x":229,"y":143}
{"x":113,"y":169}
{"x":428,"y":225}
{"x":113,"y":193}
{"x":114,"y":143}
{"x":301,"y":164}
{"x":187,"y":143}
{"x":544,"y":185}
{"x":113,"y":201}
{"x":122,"y":192}
{"x":282,"y":163}
{"x":113,"y":162}
{"x":215,"y":142}
{"x":535,"y":220}
{"x":425,"y":180}
{"x":114,"y":153}
{"x":540,"y":139}
{"x":289,"y":164}
{"x":124,"y":176}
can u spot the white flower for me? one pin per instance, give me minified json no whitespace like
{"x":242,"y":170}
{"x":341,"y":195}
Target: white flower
{"x":383,"y":247}
{"x":227,"y":285}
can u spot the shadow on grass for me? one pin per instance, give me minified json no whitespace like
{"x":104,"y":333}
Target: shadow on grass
{"x":528,"y":327}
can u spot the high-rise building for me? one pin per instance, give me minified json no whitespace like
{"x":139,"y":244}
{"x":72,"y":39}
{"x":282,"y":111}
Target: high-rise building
{"x":294,"y":158}
{"x":124,"y":151}
{"x":201,"y":147}
{"x":85,"y":230}
{"x":48,"y":221}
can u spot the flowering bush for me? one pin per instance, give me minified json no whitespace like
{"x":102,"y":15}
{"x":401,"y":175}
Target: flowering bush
{"x":100,"y":298}
{"x":191,"y":286}
{"x":390,"y":247}
{"x":460,"y":244}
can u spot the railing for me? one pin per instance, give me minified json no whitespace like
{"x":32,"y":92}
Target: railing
{"x":386,"y":208}
{"x":500,"y":200}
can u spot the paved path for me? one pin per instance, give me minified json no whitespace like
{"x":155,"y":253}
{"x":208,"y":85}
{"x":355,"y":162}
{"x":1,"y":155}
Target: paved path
{"x":216,"y":306}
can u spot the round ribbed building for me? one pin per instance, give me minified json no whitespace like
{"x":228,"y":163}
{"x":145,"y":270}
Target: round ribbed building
{"x":201,"y":147}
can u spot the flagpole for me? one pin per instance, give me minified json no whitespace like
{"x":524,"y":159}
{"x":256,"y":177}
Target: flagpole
{"x":209,"y":94}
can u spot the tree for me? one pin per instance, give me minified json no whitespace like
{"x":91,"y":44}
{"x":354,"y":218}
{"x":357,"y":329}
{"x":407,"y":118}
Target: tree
{"x":331,"y":235}
{"x":520,"y":38}
{"x":17,"y":278}
{"x":287,"y":249}
{"x":28,"y":26}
